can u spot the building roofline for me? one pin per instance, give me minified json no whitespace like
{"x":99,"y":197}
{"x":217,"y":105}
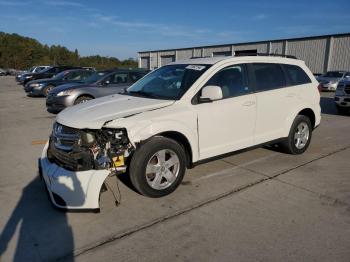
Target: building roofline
{"x":247,"y":43}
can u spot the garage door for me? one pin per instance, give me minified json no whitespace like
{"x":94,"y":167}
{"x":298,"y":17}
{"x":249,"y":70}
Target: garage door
{"x":224,"y":53}
{"x":145,"y":62}
{"x":246,"y":52}
{"x":164,"y":60}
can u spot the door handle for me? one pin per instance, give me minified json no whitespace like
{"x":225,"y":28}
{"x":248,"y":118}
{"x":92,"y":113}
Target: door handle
{"x":248,"y":103}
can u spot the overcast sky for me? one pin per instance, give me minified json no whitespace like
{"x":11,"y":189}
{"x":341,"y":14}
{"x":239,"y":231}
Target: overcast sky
{"x":121,"y":28}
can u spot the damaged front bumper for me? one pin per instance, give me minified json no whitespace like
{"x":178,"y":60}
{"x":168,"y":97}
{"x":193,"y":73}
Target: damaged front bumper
{"x":75,"y":163}
{"x":76,"y":190}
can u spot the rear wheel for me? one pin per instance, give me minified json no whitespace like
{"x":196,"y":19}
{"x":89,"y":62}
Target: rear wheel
{"x":82,"y":99}
{"x":158,"y":167}
{"x":299,"y":136}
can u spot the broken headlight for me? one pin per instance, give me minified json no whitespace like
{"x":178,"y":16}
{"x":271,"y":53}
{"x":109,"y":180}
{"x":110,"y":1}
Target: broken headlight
{"x":111,"y":147}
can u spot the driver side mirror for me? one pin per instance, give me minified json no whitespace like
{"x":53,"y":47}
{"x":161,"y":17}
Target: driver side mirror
{"x":210,"y":94}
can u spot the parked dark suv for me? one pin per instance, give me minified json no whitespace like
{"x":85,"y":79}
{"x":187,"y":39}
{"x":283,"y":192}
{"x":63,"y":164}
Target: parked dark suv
{"x":42,"y":87}
{"x":102,"y":83}
{"x":47,"y":73}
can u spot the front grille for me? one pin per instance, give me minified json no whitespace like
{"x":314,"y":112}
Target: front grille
{"x":73,"y":161}
{"x":65,"y":137}
{"x":65,"y":151}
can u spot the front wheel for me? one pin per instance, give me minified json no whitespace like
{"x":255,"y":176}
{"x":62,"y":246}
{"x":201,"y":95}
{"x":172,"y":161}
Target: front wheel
{"x":299,"y":136}
{"x":47,"y":90}
{"x":82,"y":99}
{"x":158,"y":167}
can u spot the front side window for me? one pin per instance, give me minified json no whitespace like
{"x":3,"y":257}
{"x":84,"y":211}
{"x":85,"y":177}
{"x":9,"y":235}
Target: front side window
{"x":86,"y":74}
{"x":232,"y":81}
{"x":119,"y":78}
{"x":296,"y":75}
{"x":94,"y":77}
{"x":74,"y":76}
{"x":62,"y":75}
{"x":168,"y":82}
{"x":51,"y":70}
{"x":268,"y":76}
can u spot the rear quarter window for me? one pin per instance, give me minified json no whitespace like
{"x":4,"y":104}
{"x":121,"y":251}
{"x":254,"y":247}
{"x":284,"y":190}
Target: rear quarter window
{"x":297,"y":76}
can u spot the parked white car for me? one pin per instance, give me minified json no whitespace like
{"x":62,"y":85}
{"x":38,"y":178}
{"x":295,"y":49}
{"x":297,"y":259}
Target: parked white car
{"x":175,"y":117}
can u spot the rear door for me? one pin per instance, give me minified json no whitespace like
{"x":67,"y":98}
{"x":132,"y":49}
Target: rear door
{"x":274,"y":100}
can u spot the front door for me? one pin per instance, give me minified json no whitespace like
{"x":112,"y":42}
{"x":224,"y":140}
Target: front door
{"x":228,"y":124}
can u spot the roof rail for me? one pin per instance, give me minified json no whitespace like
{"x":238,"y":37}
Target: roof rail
{"x":265,"y":54}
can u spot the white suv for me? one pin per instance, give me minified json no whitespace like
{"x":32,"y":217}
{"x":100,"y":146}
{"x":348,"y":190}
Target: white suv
{"x":175,"y":117}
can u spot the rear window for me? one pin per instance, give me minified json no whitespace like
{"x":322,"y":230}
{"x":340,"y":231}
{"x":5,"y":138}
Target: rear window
{"x":268,"y":76}
{"x":297,"y":76}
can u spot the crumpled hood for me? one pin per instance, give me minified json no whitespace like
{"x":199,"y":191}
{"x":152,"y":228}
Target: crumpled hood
{"x":94,"y":113}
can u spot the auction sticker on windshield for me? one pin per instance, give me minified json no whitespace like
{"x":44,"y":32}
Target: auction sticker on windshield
{"x":195,"y":67}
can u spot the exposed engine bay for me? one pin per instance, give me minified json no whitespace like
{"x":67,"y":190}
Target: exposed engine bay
{"x":86,"y":149}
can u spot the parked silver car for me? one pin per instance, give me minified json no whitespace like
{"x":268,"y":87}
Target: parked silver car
{"x":342,"y":97}
{"x":330,"y":80}
{"x":102,"y":83}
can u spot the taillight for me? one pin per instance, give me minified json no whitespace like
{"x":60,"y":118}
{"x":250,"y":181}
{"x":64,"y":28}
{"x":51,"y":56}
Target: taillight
{"x":319,"y":87}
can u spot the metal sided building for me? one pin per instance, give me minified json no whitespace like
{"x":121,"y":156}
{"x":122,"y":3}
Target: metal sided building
{"x":320,"y":53}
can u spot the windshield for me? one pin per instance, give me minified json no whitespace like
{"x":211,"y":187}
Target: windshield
{"x":334,"y":74}
{"x":168,"y":82}
{"x":95,"y":77}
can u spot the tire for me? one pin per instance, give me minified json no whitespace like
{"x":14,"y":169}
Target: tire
{"x":149,"y":156}
{"x":82,"y":99}
{"x":47,"y":89}
{"x":294,"y":146}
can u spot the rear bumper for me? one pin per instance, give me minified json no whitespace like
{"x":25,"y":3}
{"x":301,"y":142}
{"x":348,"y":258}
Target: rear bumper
{"x":72,"y":190}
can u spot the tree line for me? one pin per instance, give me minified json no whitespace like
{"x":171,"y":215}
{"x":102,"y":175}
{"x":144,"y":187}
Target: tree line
{"x":21,"y":52}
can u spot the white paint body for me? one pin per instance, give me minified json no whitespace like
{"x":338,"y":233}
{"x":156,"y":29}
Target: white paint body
{"x":211,"y":129}
{"x":80,"y":190}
